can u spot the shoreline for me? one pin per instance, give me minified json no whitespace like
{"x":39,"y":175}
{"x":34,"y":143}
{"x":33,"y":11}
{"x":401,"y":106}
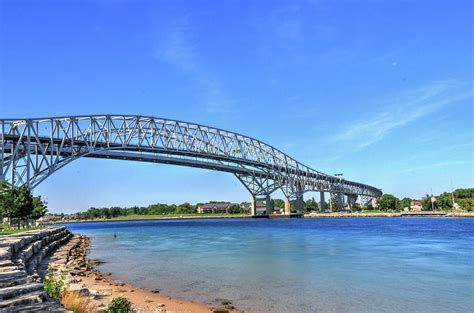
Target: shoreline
{"x":309,"y":215}
{"x":86,"y":281}
{"x":153,"y":219}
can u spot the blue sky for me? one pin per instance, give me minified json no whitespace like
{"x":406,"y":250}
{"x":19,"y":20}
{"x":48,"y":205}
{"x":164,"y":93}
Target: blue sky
{"x":381,"y":91}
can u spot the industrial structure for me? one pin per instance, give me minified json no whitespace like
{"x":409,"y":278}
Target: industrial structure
{"x":32,"y":149}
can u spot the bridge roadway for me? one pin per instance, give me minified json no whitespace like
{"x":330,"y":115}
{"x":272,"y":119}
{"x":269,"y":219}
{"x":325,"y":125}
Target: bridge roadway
{"x":33,"y":149}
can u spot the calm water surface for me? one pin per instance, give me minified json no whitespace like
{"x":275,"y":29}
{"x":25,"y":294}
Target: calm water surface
{"x":303,"y":265}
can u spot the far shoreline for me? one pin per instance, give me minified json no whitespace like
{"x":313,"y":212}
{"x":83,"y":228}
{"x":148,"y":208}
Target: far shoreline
{"x":308,"y":215}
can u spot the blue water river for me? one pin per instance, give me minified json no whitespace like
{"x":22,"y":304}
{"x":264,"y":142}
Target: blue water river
{"x":297,"y":265}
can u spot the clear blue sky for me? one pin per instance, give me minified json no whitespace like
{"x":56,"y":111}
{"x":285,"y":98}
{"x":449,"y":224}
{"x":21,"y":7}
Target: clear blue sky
{"x":381,"y":91}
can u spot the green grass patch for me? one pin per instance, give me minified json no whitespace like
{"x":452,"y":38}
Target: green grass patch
{"x":16,"y":231}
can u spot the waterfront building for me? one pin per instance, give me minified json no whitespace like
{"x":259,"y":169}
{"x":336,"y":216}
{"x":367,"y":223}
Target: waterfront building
{"x":212,"y":208}
{"x":415,"y":205}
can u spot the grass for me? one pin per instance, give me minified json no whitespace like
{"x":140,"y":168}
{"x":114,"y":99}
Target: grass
{"x":16,"y":231}
{"x":76,"y":303}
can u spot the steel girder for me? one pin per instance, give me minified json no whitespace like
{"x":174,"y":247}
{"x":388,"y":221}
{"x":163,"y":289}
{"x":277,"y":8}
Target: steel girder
{"x":32,"y":149}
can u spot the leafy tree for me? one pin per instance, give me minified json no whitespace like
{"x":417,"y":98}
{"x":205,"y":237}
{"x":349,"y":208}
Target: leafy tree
{"x":235,"y":209}
{"x":39,"y":208}
{"x":387,"y":202}
{"x":333,"y":203}
{"x":404,"y":203}
{"x":23,"y":203}
{"x":445,"y":201}
{"x":278,"y":203}
{"x":464,"y":193}
{"x":427,"y":205}
{"x":466,"y":204}
{"x":7,"y":197}
{"x":310,"y":205}
{"x":16,"y":203}
{"x":356,"y":207}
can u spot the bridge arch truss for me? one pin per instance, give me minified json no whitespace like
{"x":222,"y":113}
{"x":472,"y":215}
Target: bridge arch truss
{"x":34,"y":148}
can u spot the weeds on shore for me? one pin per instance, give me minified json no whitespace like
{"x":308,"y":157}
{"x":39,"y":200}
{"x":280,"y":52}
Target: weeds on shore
{"x":73,"y":301}
{"x":52,"y":284}
{"x":120,"y":305}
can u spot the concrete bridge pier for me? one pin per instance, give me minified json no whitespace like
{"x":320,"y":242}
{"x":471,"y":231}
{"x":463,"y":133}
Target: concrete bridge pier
{"x":299,"y":204}
{"x":254,"y":203}
{"x":340,"y":201}
{"x":287,"y":207}
{"x":322,"y":203}
{"x":268,"y":205}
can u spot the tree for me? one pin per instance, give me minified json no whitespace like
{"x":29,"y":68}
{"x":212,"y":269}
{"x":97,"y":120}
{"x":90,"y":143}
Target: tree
{"x":23,"y":203}
{"x":464,"y":193}
{"x":16,"y":202}
{"x":7,"y":197}
{"x":39,"y":209}
{"x":356,"y":207}
{"x":278,"y":203}
{"x":445,"y":201}
{"x":466,"y":204}
{"x":387,"y":202}
{"x":428,"y":205}
{"x":404,"y":203}
{"x":310,"y":205}
{"x":234,"y":209}
{"x":333,"y":203}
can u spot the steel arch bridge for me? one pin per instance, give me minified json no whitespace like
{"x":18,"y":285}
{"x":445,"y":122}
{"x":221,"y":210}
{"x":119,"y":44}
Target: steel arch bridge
{"x":34,"y":148}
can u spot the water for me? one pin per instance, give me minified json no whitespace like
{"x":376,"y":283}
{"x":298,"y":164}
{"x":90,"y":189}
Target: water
{"x":302,"y":265}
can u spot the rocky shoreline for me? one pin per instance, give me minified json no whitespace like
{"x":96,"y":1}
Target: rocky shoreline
{"x":31,"y":260}
{"x":83,"y":279}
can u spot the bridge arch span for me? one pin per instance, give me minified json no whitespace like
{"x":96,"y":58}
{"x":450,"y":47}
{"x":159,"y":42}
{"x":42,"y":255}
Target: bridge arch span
{"x":34,"y":148}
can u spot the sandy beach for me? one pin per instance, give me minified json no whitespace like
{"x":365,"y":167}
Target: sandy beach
{"x":100,"y":288}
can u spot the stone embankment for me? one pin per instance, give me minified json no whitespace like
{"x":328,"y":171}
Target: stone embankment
{"x":21,"y":260}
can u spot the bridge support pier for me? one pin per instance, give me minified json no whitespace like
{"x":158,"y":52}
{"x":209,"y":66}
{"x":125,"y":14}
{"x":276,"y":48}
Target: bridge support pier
{"x":253,"y":206}
{"x":322,"y":203}
{"x":299,"y":204}
{"x":268,"y":205}
{"x":340,"y":201}
{"x":287,"y":207}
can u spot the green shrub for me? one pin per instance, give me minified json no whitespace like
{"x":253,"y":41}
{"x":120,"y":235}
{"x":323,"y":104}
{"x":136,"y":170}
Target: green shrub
{"x":120,"y":305}
{"x":466,"y":204}
{"x":53,"y":285}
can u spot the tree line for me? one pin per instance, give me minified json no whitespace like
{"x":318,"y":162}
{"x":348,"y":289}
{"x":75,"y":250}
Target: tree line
{"x":19,"y":205}
{"x":153,"y":209}
{"x":462,"y":199}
